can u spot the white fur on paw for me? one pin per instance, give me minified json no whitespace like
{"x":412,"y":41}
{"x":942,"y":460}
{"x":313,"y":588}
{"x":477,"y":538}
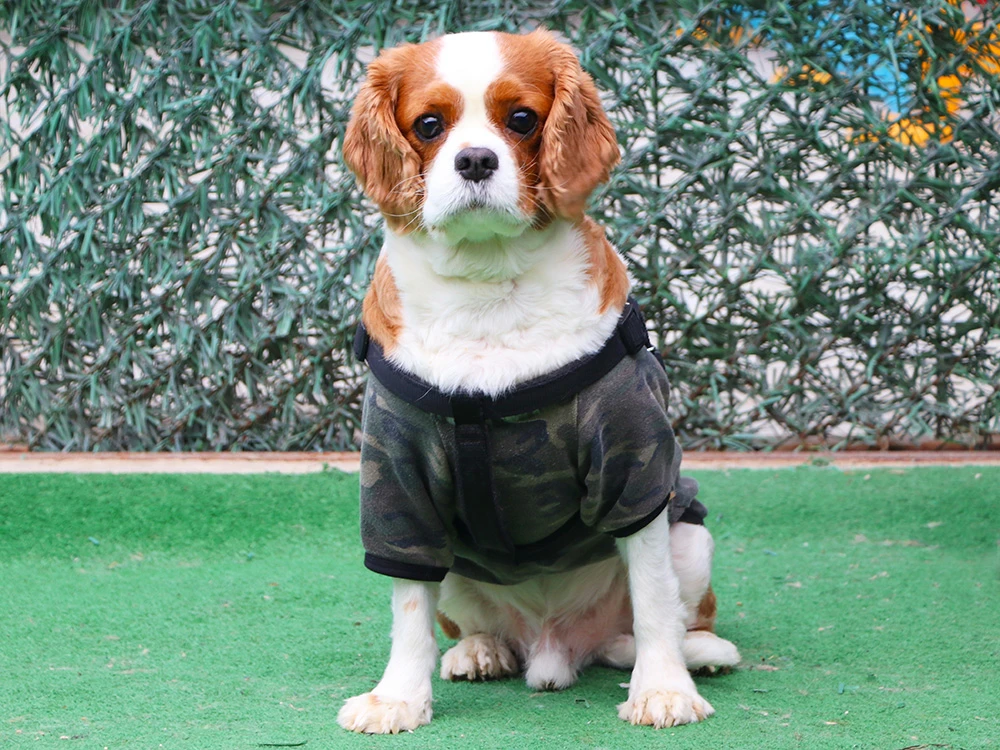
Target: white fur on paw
{"x":704,"y":649}
{"x":549,"y":670}
{"x":371,"y":714}
{"x":478,"y":657}
{"x":664,"y":708}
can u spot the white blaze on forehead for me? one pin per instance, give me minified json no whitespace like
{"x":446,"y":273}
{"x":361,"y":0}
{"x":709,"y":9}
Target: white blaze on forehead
{"x":455,"y":208}
{"x":470,"y":62}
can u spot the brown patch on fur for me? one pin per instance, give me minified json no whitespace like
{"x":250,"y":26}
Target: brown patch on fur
{"x":707,"y":608}
{"x":410,"y":605}
{"x":380,"y":146}
{"x":607,"y":269}
{"x":382,"y":312}
{"x":573,"y":148}
{"x":449,"y":627}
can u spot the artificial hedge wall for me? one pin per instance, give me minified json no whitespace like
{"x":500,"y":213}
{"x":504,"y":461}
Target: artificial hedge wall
{"x":807,"y":200}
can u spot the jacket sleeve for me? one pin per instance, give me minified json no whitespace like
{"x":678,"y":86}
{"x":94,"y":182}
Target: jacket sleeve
{"x":403,"y":469}
{"x":627,"y":448}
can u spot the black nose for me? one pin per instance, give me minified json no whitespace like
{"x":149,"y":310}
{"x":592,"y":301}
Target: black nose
{"x":476,"y":164}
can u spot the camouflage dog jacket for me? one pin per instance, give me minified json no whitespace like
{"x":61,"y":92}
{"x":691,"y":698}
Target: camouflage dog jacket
{"x":569,"y":479}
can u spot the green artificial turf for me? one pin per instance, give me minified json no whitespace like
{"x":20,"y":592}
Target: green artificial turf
{"x":234,"y":612}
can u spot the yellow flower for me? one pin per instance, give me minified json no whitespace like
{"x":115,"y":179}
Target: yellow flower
{"x":949,"y":88}
{"x":806,"y":75}
{"x":909,"y":131}
{"x":984,"y":50}
{"x":987,"y":56}
{"x":702,"y":32}
{"x":820,"y":76}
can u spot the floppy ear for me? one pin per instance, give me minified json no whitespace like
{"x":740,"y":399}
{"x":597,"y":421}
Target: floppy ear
{"x":579,"y":147}
{"x":375,"y":149}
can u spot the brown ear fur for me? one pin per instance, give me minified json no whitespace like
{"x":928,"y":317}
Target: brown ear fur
{"x":579,"y":147}
{"x":374,"y":148}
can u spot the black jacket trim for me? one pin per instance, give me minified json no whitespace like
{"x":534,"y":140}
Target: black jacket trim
{"x":629,"y":337}
{"x":642,"y":523}
{"x":410,"y":571}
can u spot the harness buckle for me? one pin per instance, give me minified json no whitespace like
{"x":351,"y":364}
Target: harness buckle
{"x":361,"y":340}
{"x":632,"y":330}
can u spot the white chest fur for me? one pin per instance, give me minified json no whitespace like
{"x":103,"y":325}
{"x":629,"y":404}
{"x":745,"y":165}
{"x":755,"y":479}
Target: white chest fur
{"x":486,"y":319}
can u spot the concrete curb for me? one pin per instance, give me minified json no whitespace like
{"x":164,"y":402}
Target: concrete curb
{"x":303,"y":463}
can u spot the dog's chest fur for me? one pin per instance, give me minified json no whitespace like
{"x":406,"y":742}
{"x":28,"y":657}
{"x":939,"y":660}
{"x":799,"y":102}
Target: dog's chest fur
{"x":482,"y":321}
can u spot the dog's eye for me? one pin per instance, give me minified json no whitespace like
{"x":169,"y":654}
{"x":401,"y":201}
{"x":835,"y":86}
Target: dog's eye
{"x":522,"y":121}
{"x":428,"y":127}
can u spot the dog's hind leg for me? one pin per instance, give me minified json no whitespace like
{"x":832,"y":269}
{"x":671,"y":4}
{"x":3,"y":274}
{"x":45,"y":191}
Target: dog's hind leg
{"x":481,"y":653}
{"x":480,"y":656}
{"x":691,"y":551}
{"x":700,"y":649}
{"x":704,"y":649}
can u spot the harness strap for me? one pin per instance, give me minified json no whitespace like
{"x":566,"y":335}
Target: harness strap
{"x":629,"y":337}
{"x":476,"y":496}
{"x":475,"y":492}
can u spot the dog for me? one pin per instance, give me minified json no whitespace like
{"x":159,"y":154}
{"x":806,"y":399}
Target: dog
{"x":543,"y":540}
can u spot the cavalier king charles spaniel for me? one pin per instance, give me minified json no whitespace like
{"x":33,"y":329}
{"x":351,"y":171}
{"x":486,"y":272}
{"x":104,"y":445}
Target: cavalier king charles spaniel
{"x":481,"y":151}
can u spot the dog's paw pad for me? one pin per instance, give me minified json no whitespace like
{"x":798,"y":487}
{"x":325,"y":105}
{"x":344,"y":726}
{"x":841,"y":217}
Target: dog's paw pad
{"x":478,"y":657}
{"x":665,"y":708}
{"x":372,"y":714}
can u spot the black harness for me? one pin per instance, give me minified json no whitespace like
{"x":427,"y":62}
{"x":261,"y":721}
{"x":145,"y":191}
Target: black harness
{"x":474,"y":467}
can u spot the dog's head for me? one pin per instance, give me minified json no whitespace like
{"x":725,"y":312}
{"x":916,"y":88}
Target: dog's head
{"x":479,"y":135}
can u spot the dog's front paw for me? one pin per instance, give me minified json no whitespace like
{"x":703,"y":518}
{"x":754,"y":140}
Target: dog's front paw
{"x":372,"y":714}
{"x":665,"y":708}
{"x":478,"y":657}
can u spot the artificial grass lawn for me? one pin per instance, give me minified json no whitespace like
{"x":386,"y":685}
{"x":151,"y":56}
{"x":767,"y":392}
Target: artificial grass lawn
{"x":234,"y":612}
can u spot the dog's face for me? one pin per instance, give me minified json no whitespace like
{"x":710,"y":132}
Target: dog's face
{"x":480,"y":135}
